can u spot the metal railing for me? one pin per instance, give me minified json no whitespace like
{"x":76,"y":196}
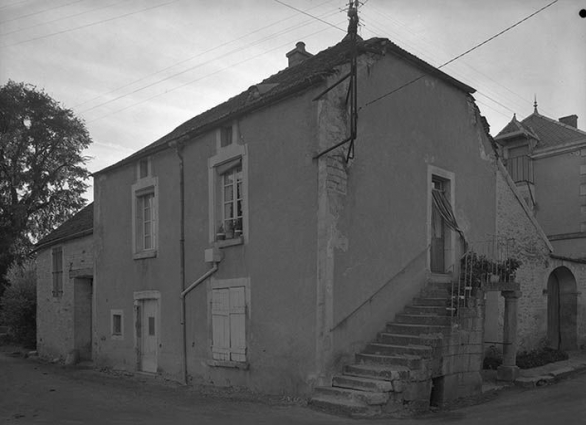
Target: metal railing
{"x":484,"y":263}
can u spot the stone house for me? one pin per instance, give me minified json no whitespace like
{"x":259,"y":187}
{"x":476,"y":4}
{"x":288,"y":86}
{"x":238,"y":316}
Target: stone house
{"x":65,"y":287}
{"x":305,"y":236}
{"x":546,"y":162}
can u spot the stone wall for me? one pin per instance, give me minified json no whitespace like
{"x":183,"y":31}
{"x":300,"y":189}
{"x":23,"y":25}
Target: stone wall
{"x":55,"y":314}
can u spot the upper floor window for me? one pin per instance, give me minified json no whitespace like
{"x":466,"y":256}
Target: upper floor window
{"x":57,"y":270}
{"x":225,"y":136}
{"x":145,"y":221}
{"x":519,"y":164}
{"x":228,"y":191}
{"x":145,"y":217}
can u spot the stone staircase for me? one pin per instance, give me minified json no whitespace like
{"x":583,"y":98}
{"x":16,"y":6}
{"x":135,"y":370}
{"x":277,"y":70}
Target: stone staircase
{"x":393,"y":374}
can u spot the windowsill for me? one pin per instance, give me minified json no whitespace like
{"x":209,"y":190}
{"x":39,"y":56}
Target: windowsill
{"x":145,"y":254}
{"x":229,"y":364}
{"x":229,"y":242}
{"x":118,"y":337}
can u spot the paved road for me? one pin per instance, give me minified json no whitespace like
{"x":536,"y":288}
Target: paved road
{"x":37,"y":393}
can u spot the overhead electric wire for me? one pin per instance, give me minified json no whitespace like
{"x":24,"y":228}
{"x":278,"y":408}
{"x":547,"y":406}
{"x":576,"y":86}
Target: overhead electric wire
{"x":272,"y":36}
{"x":41,"y":11}
{"x":194,"y":57}
{"x":90,"y":24}
{"x":311,"y":16}
{"x":462,"y":54}
{"x":62,"y":18}
{"x":203,"y":77}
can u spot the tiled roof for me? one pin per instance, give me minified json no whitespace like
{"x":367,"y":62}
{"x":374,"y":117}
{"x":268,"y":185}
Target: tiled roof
{"x":81,"y":224}
{"x":547,"y":131}
{"x":514,"y":128}
{"x":289,"y":81}
{"x":552,"y":132}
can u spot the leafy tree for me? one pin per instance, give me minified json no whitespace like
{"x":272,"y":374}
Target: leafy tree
{"x":19,"y":303}
{"x":42,"y":170}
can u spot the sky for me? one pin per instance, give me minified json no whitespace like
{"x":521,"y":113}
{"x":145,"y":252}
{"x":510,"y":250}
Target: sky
{"x":134,"y":70}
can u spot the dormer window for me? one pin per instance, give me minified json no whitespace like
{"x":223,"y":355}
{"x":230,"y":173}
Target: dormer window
{"x":144,"y":168}
{"x":225,"y":136}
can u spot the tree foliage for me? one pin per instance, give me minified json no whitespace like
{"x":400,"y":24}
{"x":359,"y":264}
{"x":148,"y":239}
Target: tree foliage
{"x":18,"y":305}
{"x":42,"y":169}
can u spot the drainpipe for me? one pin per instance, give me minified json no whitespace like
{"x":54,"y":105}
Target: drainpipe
{"x":179,"y":150}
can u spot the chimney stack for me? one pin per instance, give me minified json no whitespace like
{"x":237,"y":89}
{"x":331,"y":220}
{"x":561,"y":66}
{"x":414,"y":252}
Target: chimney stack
{"x":571,"y":120}
{"x":298,"y":54}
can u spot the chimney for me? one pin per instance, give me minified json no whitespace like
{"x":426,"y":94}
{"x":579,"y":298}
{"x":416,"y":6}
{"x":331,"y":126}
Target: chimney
{"x":571,"y":120}
{"x":298,"y":54}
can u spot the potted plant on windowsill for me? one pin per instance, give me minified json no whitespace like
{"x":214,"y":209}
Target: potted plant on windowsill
{"x":229,"y":229}
{"x":238,"y":227}
{"x":220,"y":235}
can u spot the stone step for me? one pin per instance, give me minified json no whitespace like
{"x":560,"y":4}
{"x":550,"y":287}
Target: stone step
{"x":417,"y":330}
{"x":436,"y":293}
{"x":378,"y":371}
{"x":427,"y":301}
{"x":362,"y":384}
{"x":440,"y":285}
{"x":343,"y":406}
{"x":410,"y":361}
{"x":398,"y":350}
{"x":420,"y":319}
{"x":397,"y":339}
{"x":427,"y":310}
{"x":367,"y":397}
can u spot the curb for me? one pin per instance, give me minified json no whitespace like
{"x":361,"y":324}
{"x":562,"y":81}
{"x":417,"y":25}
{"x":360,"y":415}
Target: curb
{"x":550,"y":377}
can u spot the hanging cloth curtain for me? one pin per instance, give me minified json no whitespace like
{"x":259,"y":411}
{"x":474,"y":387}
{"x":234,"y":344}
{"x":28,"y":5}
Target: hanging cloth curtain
{"x":443,"y":206}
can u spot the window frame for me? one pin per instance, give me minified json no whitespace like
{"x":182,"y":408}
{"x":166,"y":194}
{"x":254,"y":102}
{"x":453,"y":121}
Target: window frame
{"x":225,"y":160}
{"x":237,"y":356}
{"x":113,"y":334}
{"x":143,"y":189}
{"x":57,"y":272}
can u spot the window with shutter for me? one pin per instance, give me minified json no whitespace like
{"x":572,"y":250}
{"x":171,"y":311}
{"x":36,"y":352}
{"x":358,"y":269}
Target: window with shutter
{"x":228,"y":324}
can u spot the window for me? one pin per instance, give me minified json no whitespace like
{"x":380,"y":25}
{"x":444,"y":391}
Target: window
{"x":225,"y":136}
{"x":145,"y":220}
{"x":232,"y":200}
{"x":117,"y":324}
{"x":143,"y":168}
{"x":228,"y":324}
{"x":228,"y":196}
{"x":57,"y":254}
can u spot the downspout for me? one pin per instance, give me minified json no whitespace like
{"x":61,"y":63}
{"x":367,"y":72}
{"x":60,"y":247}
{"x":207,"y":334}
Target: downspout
{"x":179,"y":150}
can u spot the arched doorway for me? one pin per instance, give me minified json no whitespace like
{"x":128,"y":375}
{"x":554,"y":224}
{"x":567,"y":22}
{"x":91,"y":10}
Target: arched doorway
{"x":562,"y":309}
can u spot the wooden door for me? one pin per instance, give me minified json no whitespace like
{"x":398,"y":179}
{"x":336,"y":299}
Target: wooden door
{"x":149,"y":335}
{"x":553,"y":312}
{"x":438,"y":234}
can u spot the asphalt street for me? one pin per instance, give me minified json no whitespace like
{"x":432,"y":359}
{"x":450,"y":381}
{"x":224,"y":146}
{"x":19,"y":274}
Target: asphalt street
{"x":32,"y":392}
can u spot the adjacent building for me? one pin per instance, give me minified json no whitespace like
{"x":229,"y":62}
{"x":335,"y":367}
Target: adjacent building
{"x":65,"y":270}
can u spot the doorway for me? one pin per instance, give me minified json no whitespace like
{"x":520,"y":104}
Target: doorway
{"x":438,"y":232}
{"x":147,"y":333}
{"x":562,"y":310}
{"x":82,"y":317}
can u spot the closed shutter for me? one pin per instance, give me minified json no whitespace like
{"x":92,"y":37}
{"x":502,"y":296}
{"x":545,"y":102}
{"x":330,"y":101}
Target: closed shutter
{"x":221,"y":324}
{"x":228,"y":324}
{"x":237,"y":321}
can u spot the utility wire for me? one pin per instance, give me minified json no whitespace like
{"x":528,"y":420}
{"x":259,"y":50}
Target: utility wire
{"x":199,"y":65}
{"x":62,"y":18}
{"x":90,"y":25}
{"x":310,"y":15}
{"x":41,"y":11}
{"x":201,"y":78}
{"x":462,"y":54}
{"x":188,"y":60}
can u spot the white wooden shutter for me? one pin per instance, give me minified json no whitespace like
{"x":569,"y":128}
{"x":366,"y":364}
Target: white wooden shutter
{"x":237,"y":324}
{"x":221,"y":324}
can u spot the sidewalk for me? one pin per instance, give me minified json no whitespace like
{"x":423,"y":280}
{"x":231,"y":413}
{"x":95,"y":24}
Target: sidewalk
{"x":538,"y":376}
{"x":549,"y":373}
